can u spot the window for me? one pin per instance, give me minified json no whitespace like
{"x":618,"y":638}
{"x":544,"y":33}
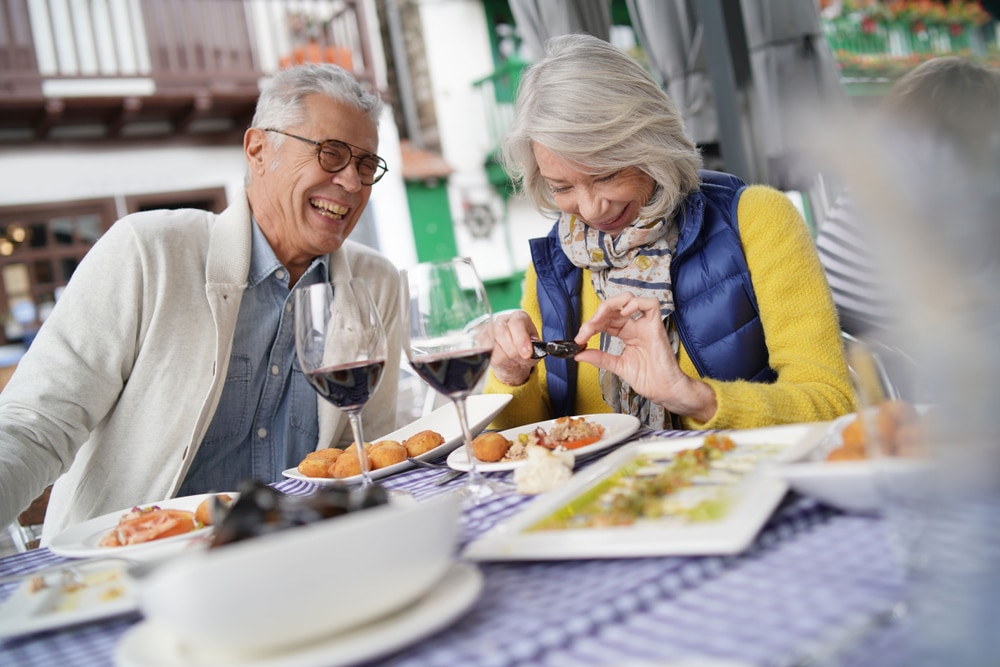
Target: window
{"x":42,"y":244}
{"x":40,"y":247}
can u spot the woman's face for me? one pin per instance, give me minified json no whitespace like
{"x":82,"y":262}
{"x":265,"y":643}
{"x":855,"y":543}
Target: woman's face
{"x":607,"y":202}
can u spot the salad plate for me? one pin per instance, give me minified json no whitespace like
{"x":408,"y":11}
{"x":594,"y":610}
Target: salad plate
{"x":617,"y":427}
{"x":482,"y":408}
{"x":97,"y":590}
{"x":81,"y":540}
{"x":718,"y":510}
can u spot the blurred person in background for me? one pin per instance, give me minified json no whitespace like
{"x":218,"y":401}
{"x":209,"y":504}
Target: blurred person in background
{"x":922,"y":102}
{"x":937,"y":120}
{"x":924,"y":178}
{"x":168,"y":366}
{"x":701,"y":299}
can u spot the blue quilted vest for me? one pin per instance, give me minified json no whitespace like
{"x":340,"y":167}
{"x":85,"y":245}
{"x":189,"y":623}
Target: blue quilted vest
{"x":716,"y":309}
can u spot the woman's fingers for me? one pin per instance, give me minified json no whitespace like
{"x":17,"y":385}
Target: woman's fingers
{"x":511,"y":360}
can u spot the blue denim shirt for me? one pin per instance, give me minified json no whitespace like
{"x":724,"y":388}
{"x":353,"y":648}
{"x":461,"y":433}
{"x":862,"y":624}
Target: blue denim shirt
{"x":266,"y":419}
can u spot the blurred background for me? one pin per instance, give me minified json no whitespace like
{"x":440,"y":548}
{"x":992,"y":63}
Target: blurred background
{"x":113,"y":106}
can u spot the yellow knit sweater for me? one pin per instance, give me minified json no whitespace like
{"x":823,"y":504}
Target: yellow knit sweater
{"x":800,"y":326}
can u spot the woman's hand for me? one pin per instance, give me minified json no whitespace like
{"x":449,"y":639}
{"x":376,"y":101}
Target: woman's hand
{"x":512,"y":334}
{"x":647,"y":363}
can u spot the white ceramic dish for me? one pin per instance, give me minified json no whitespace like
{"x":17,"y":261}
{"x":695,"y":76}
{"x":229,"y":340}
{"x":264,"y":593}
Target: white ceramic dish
{"x":616,"y":428}
{"x":753,"y":499}
{"x":148,"y":645}
{"x":481,"y":410}
{"x":101,"y":590}
{"x":846,"y":485}
{"x":342,"y":573}
{"x":80,"y":541}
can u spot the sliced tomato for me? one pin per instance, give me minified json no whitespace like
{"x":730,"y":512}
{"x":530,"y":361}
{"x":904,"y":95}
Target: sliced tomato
{"x":154,"y":525}
{"x":581,"y":442}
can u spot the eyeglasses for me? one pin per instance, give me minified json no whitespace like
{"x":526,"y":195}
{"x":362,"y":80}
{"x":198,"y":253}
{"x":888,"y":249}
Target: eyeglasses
{"x":335,"y":155}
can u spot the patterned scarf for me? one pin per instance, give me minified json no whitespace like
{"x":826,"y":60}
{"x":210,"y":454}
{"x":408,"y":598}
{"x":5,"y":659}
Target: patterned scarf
{"x":637,"y":261}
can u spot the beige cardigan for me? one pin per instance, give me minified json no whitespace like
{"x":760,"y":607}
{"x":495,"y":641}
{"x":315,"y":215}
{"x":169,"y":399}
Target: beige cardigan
{"x":115,"y":394}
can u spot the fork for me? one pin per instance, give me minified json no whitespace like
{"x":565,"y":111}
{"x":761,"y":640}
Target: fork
{"x":427,"y":464}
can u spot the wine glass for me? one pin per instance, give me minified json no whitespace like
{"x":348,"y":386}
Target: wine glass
{"x":448,"y":341}
{"x":341,"y":345}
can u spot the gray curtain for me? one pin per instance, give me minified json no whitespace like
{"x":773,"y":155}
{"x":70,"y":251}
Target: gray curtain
{"x":538,"y":20}
{"x":795,"y":82}
{"x":669,"y":32}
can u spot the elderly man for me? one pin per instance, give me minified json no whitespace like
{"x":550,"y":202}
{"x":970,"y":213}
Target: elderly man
{"x":168,"y":366}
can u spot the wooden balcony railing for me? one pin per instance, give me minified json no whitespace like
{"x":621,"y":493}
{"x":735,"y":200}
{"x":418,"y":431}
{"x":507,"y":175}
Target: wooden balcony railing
{"x":123,"y":68}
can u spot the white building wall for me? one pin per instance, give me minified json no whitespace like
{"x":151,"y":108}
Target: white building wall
{"x":456,"y":40}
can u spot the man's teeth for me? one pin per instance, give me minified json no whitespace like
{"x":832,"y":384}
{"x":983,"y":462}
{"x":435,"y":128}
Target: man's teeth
{"x":328,"y":209}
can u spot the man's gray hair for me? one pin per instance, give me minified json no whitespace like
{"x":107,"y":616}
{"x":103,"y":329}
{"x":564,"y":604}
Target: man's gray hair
{"x":282,"y":95}
{"x":589,"y":102}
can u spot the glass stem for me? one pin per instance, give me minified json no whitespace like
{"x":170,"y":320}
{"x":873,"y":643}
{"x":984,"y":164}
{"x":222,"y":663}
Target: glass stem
{"x":474,"y":476}
{"x":359,"y":440}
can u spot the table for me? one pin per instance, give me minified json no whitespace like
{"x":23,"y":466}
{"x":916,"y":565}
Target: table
{"x":814,"y":579}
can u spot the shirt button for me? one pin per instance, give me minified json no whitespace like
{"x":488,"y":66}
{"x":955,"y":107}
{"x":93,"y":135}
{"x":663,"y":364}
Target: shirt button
{"x":275,"y":370}
{"x":262,"y":433}
{"x":279,"y":274}
{"x":288,"y":307}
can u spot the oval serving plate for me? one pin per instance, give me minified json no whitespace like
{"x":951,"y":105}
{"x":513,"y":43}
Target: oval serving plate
{"x":481,"y":409}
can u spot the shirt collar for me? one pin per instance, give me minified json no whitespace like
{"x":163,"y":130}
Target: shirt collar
{"x":263,"y":261}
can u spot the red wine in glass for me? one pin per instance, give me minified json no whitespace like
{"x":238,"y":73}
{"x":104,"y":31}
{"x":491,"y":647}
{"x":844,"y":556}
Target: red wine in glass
{"x":342,"y":349}
{"x":448,"y":342}
{"x":348,"y":386}
{"x":452,"y":374}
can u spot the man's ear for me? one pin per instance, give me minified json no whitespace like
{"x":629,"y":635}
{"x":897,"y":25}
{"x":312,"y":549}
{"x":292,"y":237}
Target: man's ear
{"x":254,"y":143}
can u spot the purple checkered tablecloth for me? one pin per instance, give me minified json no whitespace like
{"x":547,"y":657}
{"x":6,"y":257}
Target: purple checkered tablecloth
{"x":811,"y":575}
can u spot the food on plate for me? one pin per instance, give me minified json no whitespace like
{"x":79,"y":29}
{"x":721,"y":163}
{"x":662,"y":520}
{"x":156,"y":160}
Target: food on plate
{"x":644,"y":489}
{"x":353,"y":447}
{"x":568,"y":433}
{"x":896,"y":423}
{"x":145,"y":524}
{"x":338,"y":464}
{"x":320,"y":463}
{"x":490,"y":447}
{"x":386,"y":453}
{"x":565,"y":433}
{"x":212,"y":508}
{"x":261,"y":510}
{"x":422,"y":442}
{"x":347,"y":464}
{"x":544,"y":470}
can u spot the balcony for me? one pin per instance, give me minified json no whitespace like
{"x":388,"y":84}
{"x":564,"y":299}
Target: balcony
{"x":125,"y":70}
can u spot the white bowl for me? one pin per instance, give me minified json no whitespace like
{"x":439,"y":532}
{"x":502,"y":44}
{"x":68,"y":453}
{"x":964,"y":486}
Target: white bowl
{"x":306,"y":582}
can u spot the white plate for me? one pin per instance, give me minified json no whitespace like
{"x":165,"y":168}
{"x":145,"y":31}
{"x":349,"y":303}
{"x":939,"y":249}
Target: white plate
{"x":147,"y":645}
{"x":846,"y":485}
{"x":616,"y":428}
{"x":753,"y":500}
{"x":80,"y":541}
{"x":103,"y":590}
{"x":481,"y":409}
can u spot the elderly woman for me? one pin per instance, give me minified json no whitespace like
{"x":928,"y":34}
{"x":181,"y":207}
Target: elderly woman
{"x":700,"y":299}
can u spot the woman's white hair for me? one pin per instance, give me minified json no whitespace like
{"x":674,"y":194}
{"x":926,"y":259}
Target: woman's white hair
{"x":588,"y":102}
